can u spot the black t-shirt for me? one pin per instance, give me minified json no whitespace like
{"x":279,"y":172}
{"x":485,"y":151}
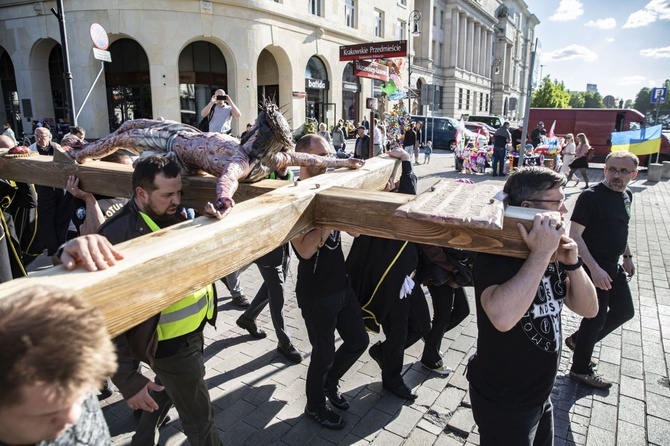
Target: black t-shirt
{"x":605,"y":215}
{"x":517,"y":368}
{"x":410,"y":138}
{"x":324,"y":273}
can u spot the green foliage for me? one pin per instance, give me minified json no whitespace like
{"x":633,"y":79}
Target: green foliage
{"x":551,"y":95}
{"x":593,"y":100}
{"x":643,"y":101}
{"x":577,"y":99}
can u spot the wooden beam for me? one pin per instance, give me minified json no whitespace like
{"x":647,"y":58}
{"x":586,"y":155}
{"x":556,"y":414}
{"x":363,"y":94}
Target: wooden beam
{"x":162,"y":267}
{"x":374,"y":215}
{"x":115,"y":180}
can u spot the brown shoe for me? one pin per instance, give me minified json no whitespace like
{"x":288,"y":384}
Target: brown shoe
{"x":241,"y":301}
{"x":591,"y":380}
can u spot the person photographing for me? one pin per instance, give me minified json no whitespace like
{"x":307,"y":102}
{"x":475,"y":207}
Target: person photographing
{"x":219,"y":112}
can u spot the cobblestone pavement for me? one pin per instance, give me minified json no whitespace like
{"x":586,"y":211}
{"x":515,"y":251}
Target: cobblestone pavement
{"x":259,"y":397}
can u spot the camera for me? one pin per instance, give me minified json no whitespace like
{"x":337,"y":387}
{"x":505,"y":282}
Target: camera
{"x":221,"y":97}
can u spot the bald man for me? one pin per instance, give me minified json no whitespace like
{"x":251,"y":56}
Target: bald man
{"x":220,"y":111}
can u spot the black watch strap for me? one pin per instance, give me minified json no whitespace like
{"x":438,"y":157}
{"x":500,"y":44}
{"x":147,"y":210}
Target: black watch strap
{"x":574,"y":267}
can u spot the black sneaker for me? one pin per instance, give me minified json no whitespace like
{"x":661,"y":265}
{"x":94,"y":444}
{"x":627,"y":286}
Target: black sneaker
{"x":337,"y":399}
{"x":325,"y":417}
{"x":291,"y":353}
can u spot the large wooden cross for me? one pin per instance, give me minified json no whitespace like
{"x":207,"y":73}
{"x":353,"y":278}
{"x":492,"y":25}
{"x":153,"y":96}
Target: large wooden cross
{"x":162,"y":267}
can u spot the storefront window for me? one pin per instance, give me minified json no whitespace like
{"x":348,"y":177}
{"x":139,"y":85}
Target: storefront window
{"x":316,"y":87}
{"x":351,"y":87}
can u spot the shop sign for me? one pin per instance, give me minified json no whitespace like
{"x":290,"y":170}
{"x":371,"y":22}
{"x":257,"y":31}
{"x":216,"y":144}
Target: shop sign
{"x":374,"y":50}
{"x":299,"y":94}
{"x":350,"y":86}
{"x":371,"y":70}
{"x":316,"y":84}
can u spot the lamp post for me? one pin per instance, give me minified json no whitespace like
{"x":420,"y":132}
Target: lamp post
{"x":495,"y":69}
{"x":412,"y":30}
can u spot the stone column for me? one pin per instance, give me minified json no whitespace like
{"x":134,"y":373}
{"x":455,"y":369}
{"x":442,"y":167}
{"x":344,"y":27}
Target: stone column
{"x":471,"y":46}
{"x":454,"y":44}
{"x":462,"y":41}
{"x":477,"y":54}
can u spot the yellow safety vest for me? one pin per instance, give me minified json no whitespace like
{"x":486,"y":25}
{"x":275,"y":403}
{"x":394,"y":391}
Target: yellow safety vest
{"x":185,"y":316}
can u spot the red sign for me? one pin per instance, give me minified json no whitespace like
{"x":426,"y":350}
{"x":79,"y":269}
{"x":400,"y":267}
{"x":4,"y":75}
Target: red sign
{"x":374,"y":50}
{"x":371,"y":70}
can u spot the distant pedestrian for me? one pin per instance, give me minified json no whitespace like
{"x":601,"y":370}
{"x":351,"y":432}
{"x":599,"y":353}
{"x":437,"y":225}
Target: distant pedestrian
{"x":537,"y":134}
{"x":568,"y":153}
{"x":427,"y":151}
{"x":501,"y":138}
{"x":9,"y":132}
{"x":581,"y":161}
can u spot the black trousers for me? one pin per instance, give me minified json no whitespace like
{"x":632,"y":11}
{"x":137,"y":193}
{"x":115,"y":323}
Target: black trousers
{"x":273,"y":268}
{"x":407,"y":321}
{"x":501,"y":425}
{"x":615,"y":307}
{"x":323,"y":315}
{"x":450,"y":308}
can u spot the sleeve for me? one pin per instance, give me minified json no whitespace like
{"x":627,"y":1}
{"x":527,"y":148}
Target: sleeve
{"x":127,"y":377}
{"x":491,"y":270}
{"x":584,"y":209}
{"x":408,"y":181}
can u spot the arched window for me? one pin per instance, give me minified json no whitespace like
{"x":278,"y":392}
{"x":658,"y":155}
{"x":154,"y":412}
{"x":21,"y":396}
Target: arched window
{"x":10,"y":94}
{"x":128,"y":83}
{"x":351,"y":87}
{"x":316,"y":87}
{"x":202,"y":70}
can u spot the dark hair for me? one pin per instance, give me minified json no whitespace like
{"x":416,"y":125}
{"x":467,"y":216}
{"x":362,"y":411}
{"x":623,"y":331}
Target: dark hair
{"x":531,"y":182}
{"x":77,"y":130}
{"x":147,"y":168}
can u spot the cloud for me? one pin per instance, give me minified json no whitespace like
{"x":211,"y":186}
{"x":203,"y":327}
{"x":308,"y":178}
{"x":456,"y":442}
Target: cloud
{"x":656,"y":53}
{"x":655,"y":10}
{"x":608,"y":23}
{"x":570,"y":52}
{"x":630,"y":80}
{"x":610,"y":39}
{"x":568,"y":10}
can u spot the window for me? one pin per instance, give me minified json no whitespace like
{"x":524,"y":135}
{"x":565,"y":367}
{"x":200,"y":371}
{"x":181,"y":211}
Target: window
{"x":460,"y":98}
{"x":349,"y":13}
{"x":481,"y":101}
{"x":434,"y":15}
{"x":467,"y":99}
{"x":433,"y":54}
{"x":488,"y":101}
{"x":440,"y":53}
{"x":402,"y":2}
{"x":441,"y":19}
{"x":400,"y":32}
{"x":315,"y":7}
{"x":379,"y":23}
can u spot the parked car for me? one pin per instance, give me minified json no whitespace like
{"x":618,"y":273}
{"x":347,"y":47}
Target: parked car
{"x":481,"y":128}
{"x":494,"y":121}
{"x":443,"y":132}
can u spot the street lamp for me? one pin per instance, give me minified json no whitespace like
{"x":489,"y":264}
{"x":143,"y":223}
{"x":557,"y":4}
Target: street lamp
{"x":412,"y":30}
{"x":495,"y":69}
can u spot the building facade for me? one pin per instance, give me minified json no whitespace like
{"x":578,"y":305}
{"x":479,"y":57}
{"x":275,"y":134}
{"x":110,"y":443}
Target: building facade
{"x":168,"y":57}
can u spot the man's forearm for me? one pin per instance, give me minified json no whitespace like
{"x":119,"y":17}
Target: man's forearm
{"x":582,"y":297}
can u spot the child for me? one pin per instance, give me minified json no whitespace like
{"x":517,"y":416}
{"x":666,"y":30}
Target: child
{"x":427,"y":150}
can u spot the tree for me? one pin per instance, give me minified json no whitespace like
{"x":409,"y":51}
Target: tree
{"x":643,"y":101}
{"x":551,"y":95}
{"x":577,"y":99}
{"x":593,"y":100}
{"x":628,"y":104}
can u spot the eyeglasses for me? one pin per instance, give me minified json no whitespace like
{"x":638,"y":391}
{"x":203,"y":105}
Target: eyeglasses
{"x":559,"y":202}
{"x":41,"y":136}
{"x":622,"y":172}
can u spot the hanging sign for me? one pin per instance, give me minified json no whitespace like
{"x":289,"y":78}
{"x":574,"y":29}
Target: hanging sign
{"x":374,"y":50}
{"x":371,"y":70}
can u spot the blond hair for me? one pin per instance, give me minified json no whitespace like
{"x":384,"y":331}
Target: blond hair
{"x":52,"y":337}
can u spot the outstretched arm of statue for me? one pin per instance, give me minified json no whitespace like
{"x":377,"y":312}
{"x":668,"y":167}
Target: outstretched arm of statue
{"x":308,"y":160}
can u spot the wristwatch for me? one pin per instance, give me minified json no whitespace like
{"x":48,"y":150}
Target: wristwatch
{"x":574,"y":267}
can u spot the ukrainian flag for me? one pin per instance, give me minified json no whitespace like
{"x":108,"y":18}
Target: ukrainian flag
{"x":640,"y":142}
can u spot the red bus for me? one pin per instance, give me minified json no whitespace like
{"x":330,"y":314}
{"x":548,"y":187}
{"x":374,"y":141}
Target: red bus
{"x":597,"y":124}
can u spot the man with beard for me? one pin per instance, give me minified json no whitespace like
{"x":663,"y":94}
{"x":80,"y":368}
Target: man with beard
{"x":600,"y":228}
{"x":171,"y":342}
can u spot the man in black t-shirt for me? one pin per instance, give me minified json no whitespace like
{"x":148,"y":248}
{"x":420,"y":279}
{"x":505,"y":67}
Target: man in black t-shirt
{"x":501,"y":138}
{"x":519,"y":306}
{"x":537,"y":134}
{"x":600,"y":228}
{"x":327,"y":303}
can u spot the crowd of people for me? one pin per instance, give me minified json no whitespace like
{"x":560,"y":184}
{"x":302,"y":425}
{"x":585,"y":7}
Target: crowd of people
{"x":518,"y":302}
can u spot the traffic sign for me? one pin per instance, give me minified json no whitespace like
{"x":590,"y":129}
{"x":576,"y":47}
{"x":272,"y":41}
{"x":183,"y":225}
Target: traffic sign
{"x":102,"y":55}
{"x":99,"y":36}
{"x":658,"y":95}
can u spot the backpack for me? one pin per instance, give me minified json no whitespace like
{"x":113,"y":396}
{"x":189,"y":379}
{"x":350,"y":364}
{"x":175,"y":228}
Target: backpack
{"x":590,"y":154}
{"x":204,"y":124}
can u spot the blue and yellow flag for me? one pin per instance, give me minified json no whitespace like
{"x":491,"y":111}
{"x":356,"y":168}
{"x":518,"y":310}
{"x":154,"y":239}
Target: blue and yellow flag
{"x":640,"y":142}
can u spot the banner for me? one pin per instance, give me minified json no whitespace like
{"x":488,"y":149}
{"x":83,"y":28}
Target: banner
{"x":640,"y":142}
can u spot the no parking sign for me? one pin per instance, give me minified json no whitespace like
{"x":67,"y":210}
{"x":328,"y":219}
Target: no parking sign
{"x":99,"y":36}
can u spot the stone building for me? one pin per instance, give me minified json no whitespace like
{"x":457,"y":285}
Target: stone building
{"x":168,"y":56}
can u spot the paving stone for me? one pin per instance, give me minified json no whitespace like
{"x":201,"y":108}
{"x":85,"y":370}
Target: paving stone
{"x":631,"y":411}
{"x":630,"y":434}
{"x":420,"y":437}
{"x":600,"y":437}
{"x":602,"y":415}
{"x":407,"y":418}
{"x":658,"y":406}
{"x":448,"y":440}
{"x":462,"y":421}
{"x":375,"y":420}
{"x":388,"y":438}
{"x":631,"y":368}
{"x":658,"y":431}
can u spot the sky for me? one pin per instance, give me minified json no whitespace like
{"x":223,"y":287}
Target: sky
{"x":619,"y":45}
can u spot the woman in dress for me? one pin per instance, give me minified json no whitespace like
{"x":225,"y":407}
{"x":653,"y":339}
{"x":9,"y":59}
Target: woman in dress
{"x":568,"y":153}
{"x":581,"y":161}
